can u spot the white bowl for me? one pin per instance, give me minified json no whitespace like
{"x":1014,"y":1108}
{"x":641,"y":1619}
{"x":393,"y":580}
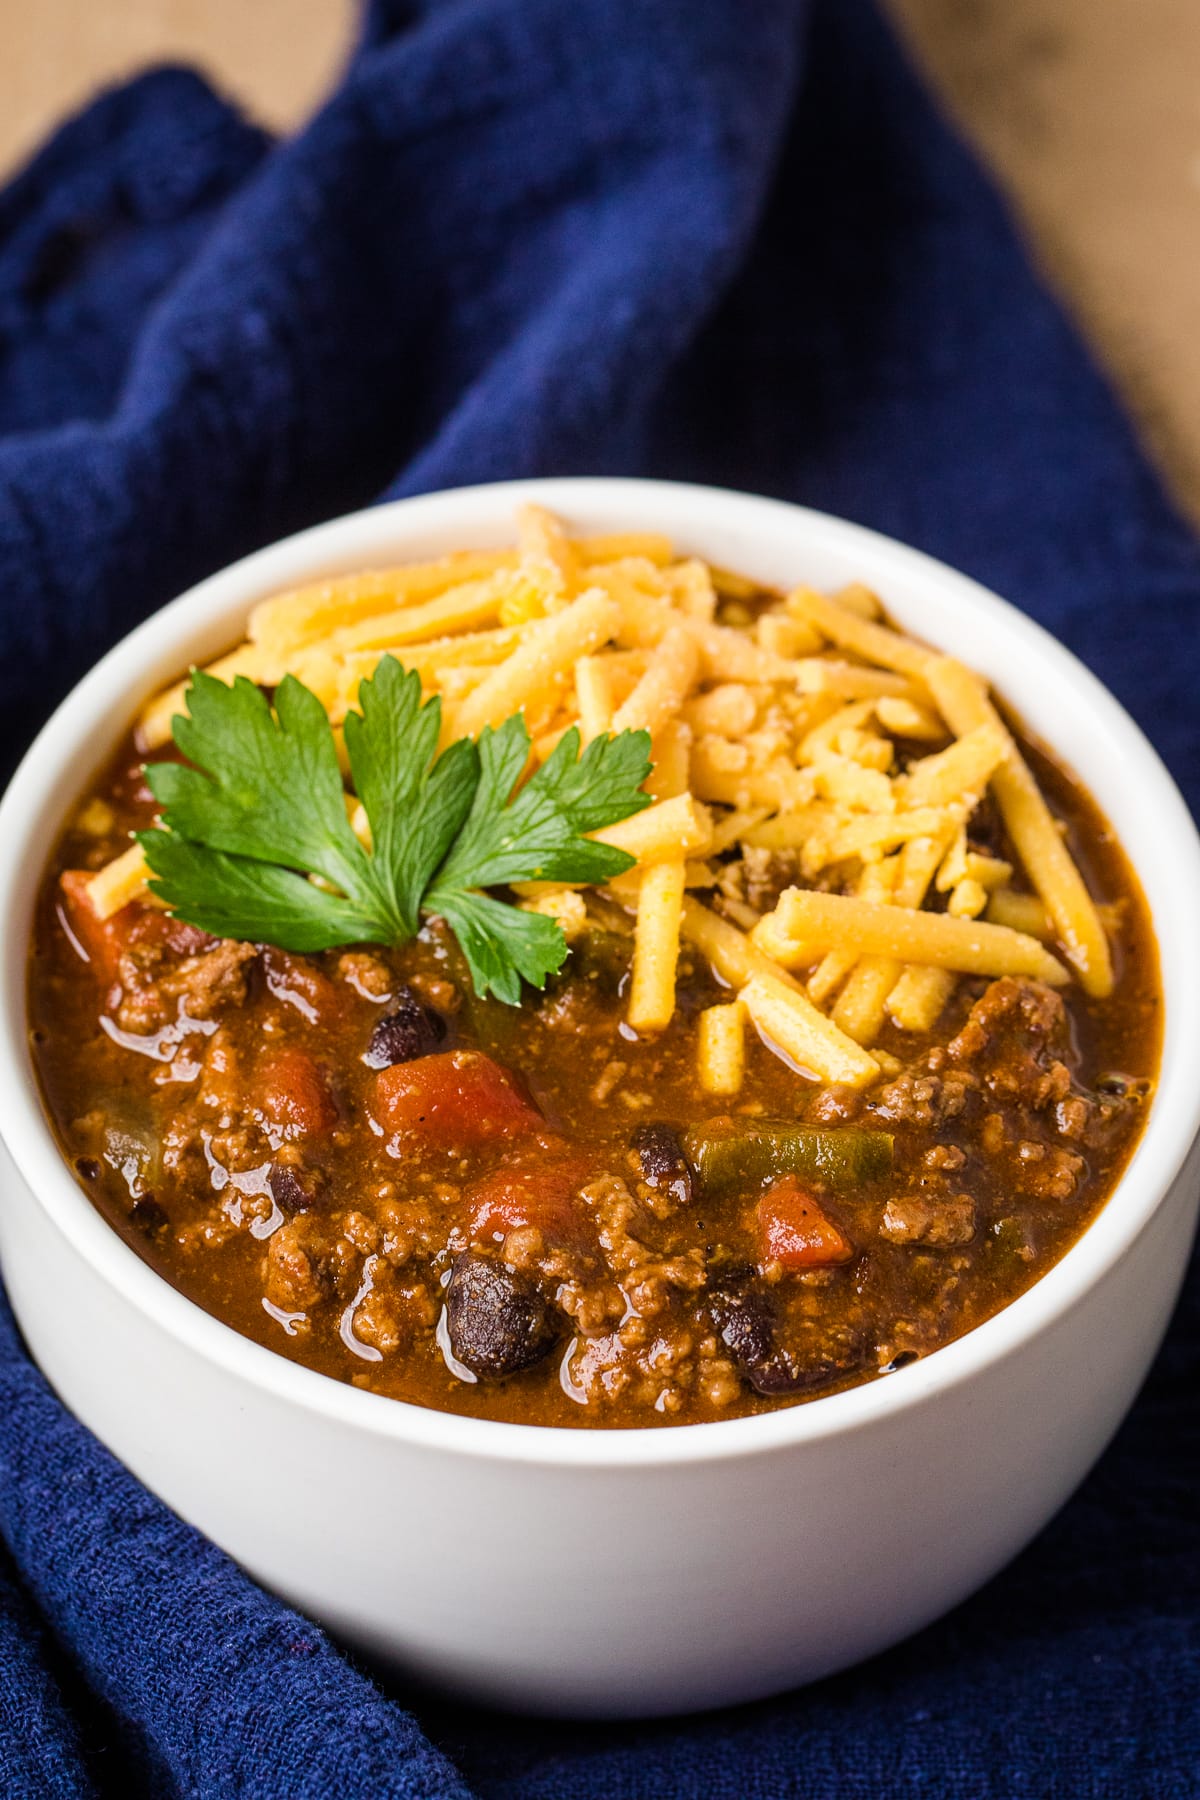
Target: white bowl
{"x":622,"y":1572}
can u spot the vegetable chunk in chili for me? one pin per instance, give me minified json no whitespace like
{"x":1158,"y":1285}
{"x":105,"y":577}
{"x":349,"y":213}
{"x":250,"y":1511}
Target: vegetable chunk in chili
{"x":604,"y":1139}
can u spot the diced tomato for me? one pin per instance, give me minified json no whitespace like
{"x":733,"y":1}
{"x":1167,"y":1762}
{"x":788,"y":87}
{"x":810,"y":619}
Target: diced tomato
{"x":458,"y":1097}
{"x":292,"y":1094}
{"x":104,"y":941}
{"x":101,"y":940}
{"x":793,"y":1229}
{"x":538,"y":1196}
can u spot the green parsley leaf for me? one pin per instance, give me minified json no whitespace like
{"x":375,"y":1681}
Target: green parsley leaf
{"x":536,"y":835}
{"x":266,"y":787}
{"x":260,"y":807}
{"x":416,"y":806}
{"x":234,"y":897}
{"x":503,"y":945}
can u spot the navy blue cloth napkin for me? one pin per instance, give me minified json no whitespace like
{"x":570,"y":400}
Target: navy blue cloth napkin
{"x":725,"y":242}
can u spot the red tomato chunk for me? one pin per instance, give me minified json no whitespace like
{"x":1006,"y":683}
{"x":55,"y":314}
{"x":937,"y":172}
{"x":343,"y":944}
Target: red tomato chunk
{"x":105,"y":941}
{"x":509,"y":1198}
{"x":458,"y":1097}
{"x":794,"y":1231}
{"x":292,"y":1094}
{"x":102,"y":941}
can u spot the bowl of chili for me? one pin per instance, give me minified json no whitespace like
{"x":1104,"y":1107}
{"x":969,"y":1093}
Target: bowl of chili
{"x":960,"y":1266}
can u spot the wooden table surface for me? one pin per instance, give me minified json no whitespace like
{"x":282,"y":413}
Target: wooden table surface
{"x":1088,"y":112}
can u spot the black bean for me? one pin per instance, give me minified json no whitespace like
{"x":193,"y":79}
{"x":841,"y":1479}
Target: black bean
{"x":287,"y":1190}
{"x":745,"y":1321}
{"x":410,"y":1030}
{"x":149,"y":1217}
{"x":497,"y":1321}
{"x":783,"y":1373}
{"x":744,"y":1317}
{"x":664,"y":1166}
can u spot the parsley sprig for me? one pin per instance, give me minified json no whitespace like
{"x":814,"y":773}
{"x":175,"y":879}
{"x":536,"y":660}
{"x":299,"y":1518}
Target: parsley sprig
{"x":259,"y":806}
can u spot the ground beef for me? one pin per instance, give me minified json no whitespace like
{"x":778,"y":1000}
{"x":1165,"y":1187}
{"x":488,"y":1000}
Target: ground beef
{"x":921,"y":1219}
{"x":1010,"y":1029}
{"x":621,"y":1224}
{"x":155,"y":989}
{"x":368,"y":975}
{"x":1016,"y":1040}
{"x":392,"y":1312}
{"x":836,"y":1106}
{"x":208,"y":983}
{"x":944,"y":1158}
{"x":915,"y":1098}
{"x":1072,"y":1116}
{"x":309,"y":1260}
{"x":757,"y":877}
{"x":1047,"y":1172}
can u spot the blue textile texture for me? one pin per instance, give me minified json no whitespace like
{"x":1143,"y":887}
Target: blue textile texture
{"x":715,"y":241}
